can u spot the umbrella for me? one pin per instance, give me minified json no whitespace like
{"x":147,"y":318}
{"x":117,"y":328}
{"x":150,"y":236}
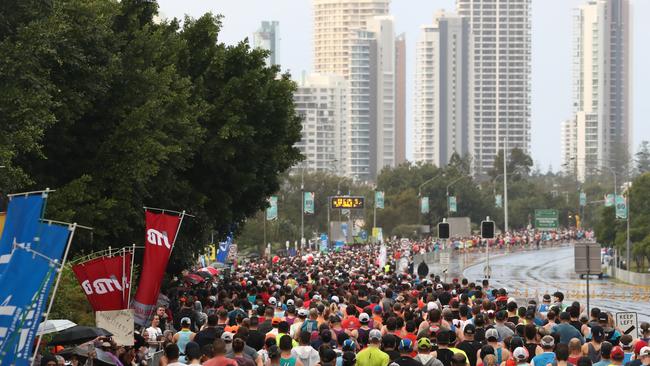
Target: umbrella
{"x":78,"y":334}
{"x":55,"y":325}
{"x":211,"y":270}
{"x":193,"y":278}
{"x":203,"y":274}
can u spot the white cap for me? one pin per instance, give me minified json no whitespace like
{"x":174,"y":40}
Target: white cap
{"x":511,"y":299}
{"x":290,"y":302}
{"x":335,"y":299}
{"x":431,"y":306}
{"x":227,"y":336}
{"x":272,"y":300}
{"x":303,"y":312}
{"x":316,"y":297}
{"x":520,"y":353}
{"x":364,"y":318}
{"x":645,"y":351}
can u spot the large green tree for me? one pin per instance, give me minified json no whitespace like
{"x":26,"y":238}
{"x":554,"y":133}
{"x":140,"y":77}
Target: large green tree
{"x":117,"y":111}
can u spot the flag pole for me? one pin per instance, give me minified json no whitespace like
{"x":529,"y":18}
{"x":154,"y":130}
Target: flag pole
{"x":177,"y":231}
{"x":128,"y":302}
{"x":72,"y":229}
{"x":123,"y":274}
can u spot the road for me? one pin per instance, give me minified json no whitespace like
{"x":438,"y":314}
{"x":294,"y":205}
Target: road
{"x":532,"y":273}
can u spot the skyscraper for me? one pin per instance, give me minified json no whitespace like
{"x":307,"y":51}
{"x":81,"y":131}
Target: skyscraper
{"x":400,"y":99}
{"x":321,"y":100}
{"x":501,"y":33}
{"x":355,"y":39}
{"x":268,"y":37}
{"x":602,"y":91}
{"x":334,"y":25}
{"x":443,"y":101}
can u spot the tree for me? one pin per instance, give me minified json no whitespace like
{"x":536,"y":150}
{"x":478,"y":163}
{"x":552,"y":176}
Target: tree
{"x":115,"y":112}
{"x":519,"y":163}
{"x":643,"y":158}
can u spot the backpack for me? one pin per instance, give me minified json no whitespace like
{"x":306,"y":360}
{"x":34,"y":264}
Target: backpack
{"x":309,"y":325}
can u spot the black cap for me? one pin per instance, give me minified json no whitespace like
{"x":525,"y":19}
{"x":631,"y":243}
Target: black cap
{"x":444,"y":337}
{"x":597,"y":332}
{"x":603,"y":317}
{"x":469,"y":329}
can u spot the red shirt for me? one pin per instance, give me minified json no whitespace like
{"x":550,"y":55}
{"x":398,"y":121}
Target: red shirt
{"x":220,"y":361}
{"x":351,"y":322}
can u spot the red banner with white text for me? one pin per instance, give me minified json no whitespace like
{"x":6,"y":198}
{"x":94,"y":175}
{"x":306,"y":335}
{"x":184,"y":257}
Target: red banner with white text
{"x":159,"y":240}
{"x":106,"y":281}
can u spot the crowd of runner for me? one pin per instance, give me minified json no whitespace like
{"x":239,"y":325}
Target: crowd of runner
{"x":343,"y":309}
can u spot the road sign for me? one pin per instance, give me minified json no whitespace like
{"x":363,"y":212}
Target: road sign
{"x":609,"y":200}
{"x":546,"y":219}
{"x":587,"y":258}
{"x":445,"y":258}
{"x":583,"y":199}
{"x":627,"y":322}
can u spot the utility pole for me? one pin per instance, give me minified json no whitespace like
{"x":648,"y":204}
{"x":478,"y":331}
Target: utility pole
{"x":302,"y":208}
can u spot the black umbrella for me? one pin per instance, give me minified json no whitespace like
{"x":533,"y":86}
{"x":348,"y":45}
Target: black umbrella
{"x":77,"y":335}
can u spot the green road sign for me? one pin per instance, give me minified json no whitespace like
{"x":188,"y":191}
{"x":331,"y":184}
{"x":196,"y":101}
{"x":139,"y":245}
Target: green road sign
{"x":546,"y":219}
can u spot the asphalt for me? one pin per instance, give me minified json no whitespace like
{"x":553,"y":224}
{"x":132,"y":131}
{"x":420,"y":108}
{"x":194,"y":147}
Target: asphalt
{"x":531,"y":273}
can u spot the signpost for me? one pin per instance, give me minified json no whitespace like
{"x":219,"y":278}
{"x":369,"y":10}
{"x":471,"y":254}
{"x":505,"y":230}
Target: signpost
{"x":487,"y":232}
{"x":587,"y":262}
{"x":627,"y":322}
{"x":547,"y":219}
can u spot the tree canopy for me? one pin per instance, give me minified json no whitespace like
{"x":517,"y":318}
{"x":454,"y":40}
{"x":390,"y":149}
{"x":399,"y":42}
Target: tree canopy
{"x":117,"y":111}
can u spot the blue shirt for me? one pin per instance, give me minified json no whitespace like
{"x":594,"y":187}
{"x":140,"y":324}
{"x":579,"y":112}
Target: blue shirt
{"x":544,"y":359}
{"x":567,"y":332}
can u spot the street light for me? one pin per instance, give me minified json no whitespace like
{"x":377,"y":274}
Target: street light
{"x":425,"y":183}
{"x":449,"y":185}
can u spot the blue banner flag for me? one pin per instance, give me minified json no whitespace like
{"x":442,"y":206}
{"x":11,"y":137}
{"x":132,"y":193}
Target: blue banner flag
{"x":23,"y":215}
{"x":24,"y":293}
{"x":224,"y":249}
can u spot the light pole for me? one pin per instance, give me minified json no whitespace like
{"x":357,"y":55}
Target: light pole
{"x":447,"y":190}
{"x":425,"y":183}
{"x":302,"y":208}
{"x":627,"y":207}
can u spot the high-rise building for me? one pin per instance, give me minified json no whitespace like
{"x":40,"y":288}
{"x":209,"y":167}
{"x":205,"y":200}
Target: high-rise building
{"x":443,"y":103}
{"x":321,"y":100}
{"x":602,"y":90}
{"x":355,"y":39}
{"x":501,"y":32}
{"x":334,"y":24}
{"x":400,"y":99}
{"x":268,"y":37}
{"x":382,"y":152}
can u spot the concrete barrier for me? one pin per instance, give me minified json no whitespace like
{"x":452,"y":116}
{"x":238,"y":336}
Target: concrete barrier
{"x":634,"y":278}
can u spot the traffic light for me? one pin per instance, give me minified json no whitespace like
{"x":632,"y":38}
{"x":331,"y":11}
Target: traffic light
{"x":443,"y":230}
{"x":487,"y":229}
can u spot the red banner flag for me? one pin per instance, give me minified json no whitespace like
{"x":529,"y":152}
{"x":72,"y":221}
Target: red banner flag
{"x":160,"y":236}
{"x":106,"y":281}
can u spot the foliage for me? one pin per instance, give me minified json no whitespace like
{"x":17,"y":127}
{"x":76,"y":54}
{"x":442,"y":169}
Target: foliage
{"x":116,"y":111}
{"x":519,"y":163}
{"x":643,"y":158}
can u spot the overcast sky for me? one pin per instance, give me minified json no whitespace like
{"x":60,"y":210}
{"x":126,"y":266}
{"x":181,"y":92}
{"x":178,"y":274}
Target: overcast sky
{"x":551,"y":75}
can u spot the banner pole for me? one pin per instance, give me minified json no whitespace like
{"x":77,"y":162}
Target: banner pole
{"x":177,"y":231}
{"x":123,"y":275}
{"x":56,"y":286}
{"x":128,"y":302}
